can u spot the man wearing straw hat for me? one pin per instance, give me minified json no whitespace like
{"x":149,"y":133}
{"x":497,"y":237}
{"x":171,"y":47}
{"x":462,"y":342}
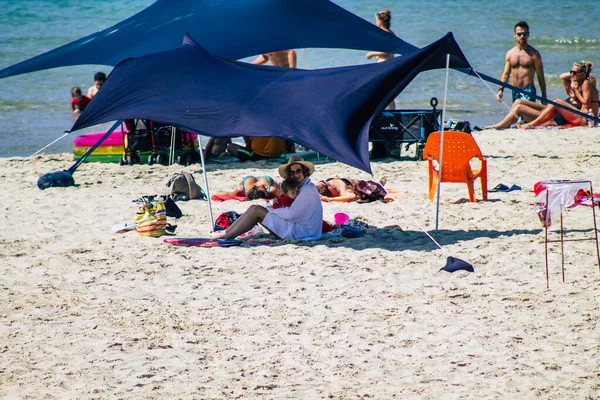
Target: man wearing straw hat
{"x":301,"y":221}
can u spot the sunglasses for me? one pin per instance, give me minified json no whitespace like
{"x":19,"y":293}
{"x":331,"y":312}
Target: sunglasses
{"x":296,"y":171}
{"x":521,"y":34}
{"x":574,"y":72}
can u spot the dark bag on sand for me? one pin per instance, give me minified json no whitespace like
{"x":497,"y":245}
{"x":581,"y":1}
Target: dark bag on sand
{"x":368,"y":191}
{"x":459,"y":125}
{"x":224,"y":220}
{"x":184,"y":187}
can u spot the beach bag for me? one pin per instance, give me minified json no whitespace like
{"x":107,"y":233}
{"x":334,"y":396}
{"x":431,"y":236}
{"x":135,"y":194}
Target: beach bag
{"x":184,"y":187}
{"x":368,"y":191}
{"x":224,"y":220}
{"x":459,"y":125}
{"x":172,"y":209}
{"x":151,"y":219}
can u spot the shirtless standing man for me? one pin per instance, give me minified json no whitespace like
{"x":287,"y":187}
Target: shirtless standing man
{"x":522,"y":63}
{"x":282,"y":58}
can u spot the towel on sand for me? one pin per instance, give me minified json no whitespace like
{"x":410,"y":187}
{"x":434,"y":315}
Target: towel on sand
{"x":216,"y":197}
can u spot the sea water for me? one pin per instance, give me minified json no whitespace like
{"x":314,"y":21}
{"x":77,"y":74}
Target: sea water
{"x":35,"y":107}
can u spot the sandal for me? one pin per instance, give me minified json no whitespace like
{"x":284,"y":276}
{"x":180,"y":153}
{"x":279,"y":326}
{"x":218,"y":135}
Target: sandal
{"x":500,"y":188}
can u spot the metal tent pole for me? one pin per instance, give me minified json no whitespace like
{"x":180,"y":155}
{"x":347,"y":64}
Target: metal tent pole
{"x":437,"y":208}
{"x":210,"y":212}
{"x":172,"y":148}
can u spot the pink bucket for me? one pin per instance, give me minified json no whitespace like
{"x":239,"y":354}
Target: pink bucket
{"x":340,"y":218}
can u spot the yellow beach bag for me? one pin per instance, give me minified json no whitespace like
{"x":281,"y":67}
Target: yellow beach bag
{"x":151,"y":219}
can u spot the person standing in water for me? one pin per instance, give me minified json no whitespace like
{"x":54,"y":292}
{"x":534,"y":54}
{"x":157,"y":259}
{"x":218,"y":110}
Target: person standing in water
{"x":383,"y":19}
{"x":99,"y":79}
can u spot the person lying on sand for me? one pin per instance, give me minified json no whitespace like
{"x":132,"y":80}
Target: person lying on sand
{"x":254,"y":188}
{"x":216,"y":147}
{"x":301,"y":221}
{"x":342,"y":189}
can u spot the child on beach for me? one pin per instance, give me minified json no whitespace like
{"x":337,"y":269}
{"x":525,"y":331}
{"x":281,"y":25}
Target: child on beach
{"x":289,"y":189}
{"x":78,"y":101}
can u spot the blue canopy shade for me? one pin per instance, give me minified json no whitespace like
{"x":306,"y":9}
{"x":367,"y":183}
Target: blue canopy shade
{"x":328,"y":110}
{"x":231,"y":29}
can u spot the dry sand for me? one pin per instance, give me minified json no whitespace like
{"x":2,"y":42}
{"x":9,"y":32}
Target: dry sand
{"x":87,"y":313}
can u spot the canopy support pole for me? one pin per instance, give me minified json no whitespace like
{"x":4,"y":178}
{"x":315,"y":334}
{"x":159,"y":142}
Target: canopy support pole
{"x":172,"y":148}
{"x":437,"y":208}
{"x":210,"y":211}
{"x":94,"y":147}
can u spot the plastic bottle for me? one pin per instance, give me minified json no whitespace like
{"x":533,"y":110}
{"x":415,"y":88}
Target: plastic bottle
{"x":590,"y":122}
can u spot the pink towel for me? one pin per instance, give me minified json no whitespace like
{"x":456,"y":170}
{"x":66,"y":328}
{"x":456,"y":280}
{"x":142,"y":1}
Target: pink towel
{"x":216,"y":197}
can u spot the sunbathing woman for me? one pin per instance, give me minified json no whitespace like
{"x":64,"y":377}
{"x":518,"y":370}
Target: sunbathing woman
{"x":583,"y":96}
{"x":346,"y":190}
{"x":252,"y":187}
{"x":336,"y":190}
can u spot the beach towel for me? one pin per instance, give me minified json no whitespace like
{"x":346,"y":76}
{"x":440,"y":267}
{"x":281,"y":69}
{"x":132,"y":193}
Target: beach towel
{"x":217,"y":197}
{"x":334,"y":236}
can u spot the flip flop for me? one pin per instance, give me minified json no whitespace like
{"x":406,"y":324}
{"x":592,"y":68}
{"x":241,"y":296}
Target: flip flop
{"x":501,"y":187}
{"x":515,"y":187}
{"x":477,"y":128}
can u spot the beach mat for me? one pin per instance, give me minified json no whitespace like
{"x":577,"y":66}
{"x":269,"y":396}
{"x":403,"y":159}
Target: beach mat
{"x":335,"y":236}
{"x":202,"y":242}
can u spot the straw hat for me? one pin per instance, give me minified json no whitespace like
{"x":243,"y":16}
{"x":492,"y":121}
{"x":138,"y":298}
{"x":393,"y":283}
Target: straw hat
{"x":296,"y":160}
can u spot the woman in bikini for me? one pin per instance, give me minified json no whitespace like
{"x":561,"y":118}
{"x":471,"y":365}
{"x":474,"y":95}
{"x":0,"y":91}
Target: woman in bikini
{"x":583,"y":95}
{"x":336,"y":189}
{"x":345,"y":190}
{"x":253,"y":187}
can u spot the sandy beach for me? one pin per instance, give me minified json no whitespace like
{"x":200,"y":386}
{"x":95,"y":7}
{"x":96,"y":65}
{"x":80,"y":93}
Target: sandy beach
{"x":89,"y":314}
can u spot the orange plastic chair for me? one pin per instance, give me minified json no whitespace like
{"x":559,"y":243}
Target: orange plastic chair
{"x":459,"y":149}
